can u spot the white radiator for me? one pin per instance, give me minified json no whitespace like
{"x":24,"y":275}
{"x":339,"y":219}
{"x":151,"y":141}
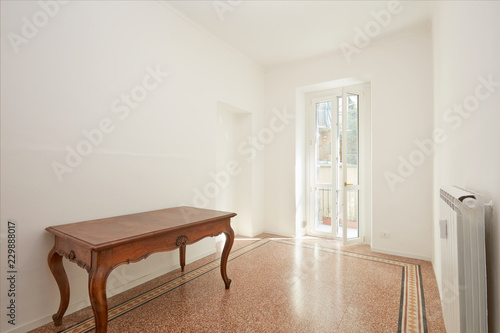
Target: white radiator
{"x":463,"y":261}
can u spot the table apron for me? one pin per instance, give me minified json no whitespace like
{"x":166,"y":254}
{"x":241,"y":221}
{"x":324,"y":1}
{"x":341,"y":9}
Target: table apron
{"x":136,"y":250}
{"x":74,"y":251}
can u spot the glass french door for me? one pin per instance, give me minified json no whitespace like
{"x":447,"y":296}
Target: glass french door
{"x":334,"y":198}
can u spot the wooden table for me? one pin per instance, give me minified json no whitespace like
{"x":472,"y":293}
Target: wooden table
{"x":100,"y":245}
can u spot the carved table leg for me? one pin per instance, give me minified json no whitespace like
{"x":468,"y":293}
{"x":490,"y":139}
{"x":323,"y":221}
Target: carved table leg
{"x":182,"y":255}
{"x":56,"y":267}
{"x":97,"y":294}
{"x":225,"y":255}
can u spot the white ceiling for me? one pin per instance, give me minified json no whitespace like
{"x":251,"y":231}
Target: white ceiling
{"x":275,"y":32}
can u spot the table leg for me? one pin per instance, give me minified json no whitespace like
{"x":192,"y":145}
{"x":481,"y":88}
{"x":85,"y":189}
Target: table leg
{"x":182,"y":255}
{"x":225,"y":255}
{"x":98,"y":300}
{"x":54,"y":260}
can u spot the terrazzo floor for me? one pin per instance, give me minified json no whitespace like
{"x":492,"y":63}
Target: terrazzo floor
{"x":279,"y":285}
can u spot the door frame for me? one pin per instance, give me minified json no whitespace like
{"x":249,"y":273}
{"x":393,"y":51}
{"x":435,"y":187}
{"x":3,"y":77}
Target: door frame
{"x":364,"y":164}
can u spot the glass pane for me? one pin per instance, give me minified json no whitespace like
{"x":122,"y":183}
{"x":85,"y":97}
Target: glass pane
{"x":323,"y":142}
{"x":352,"y":139}
{"x":323,"y":209}
{"x":352,"y":214}
{"x":340,"y":175}
{"x":339,"y":134}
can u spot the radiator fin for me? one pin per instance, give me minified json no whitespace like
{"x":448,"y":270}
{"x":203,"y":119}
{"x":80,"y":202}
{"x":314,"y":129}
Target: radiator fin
{"x":463,"y":261}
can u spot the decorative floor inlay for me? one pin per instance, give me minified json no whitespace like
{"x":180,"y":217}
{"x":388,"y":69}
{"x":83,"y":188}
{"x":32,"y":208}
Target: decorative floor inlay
{"x":411,"y":317}
{"x":116,"y":311}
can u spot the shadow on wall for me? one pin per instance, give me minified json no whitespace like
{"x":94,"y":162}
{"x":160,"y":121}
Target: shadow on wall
{"x":490,"y":215}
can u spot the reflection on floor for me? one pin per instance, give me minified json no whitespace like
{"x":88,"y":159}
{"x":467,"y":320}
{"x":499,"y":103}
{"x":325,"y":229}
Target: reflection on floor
{"x":327,"y":228}
{"x":280,"y":285}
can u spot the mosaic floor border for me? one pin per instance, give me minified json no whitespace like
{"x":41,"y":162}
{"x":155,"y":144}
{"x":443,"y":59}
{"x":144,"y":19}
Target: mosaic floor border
{"x":412,"y":316}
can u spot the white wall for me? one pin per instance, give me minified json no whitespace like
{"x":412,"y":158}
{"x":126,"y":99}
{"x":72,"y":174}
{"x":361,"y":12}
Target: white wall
{"x":64,"y":80}
{"x":400,"y":71}
{"x":466,"y":47}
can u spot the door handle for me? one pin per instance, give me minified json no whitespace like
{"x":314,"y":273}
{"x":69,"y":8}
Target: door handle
{"x":345,"y":184}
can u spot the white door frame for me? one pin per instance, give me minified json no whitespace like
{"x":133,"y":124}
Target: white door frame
{"x":364,"y":161}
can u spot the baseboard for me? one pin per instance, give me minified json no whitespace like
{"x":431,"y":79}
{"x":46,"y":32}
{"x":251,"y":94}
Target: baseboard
{"x":111,"y":292}
{"x":401,"y":254}
{"x":279,"y":233}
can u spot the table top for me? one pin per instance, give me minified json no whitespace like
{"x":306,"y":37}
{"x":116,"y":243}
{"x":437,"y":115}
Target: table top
{"x":101,"y":232}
